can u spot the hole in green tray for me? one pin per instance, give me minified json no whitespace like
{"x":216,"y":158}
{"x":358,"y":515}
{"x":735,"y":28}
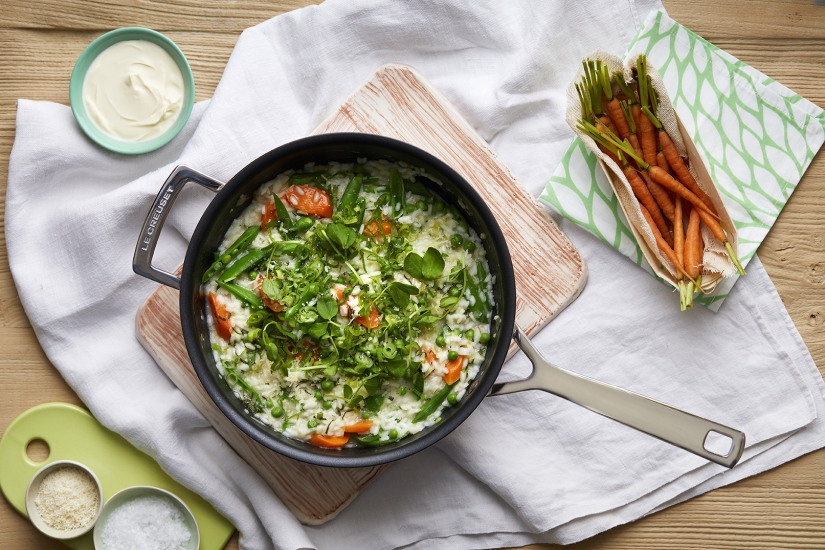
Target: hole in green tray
{"x":37,"y":450}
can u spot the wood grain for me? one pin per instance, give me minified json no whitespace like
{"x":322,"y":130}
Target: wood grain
{"x":785,"y":40}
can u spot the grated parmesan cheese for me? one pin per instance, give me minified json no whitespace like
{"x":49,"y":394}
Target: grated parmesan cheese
{"x":67,"y":499}
{"x":146,"y":523}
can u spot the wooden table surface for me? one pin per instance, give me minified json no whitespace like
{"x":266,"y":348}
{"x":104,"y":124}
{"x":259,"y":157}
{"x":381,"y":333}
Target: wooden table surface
{"x":784,"y":508}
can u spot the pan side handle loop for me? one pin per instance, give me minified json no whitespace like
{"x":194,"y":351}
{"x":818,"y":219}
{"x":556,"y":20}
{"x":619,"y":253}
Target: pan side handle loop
{"x":150,"y":232}
{"x":687,"y":431}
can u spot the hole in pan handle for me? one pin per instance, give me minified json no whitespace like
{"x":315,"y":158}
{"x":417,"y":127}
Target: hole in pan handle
{"x":662,"y":421}
{"x":150,"y":233}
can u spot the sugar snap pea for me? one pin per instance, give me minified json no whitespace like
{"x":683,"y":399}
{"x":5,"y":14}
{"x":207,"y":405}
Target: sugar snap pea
{"x":240,"y":244}
{"x":302,"y":178}
{"x":309,"y":293}
{"x":283,"y":215}
{"x":244,"y":263}
{"x":477,"y":307}
{"x":482,"y":286}
{"x":397,"y":194}
{"x":432,"y":405}
{"x":372,"y":440}
{"x":243,"y":294}
{"x":350,"y":193}
{"x":302,"y":225}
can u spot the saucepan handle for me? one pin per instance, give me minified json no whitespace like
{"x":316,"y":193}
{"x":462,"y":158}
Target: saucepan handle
{"x":150,"y":233}
{"x":662,"y":421}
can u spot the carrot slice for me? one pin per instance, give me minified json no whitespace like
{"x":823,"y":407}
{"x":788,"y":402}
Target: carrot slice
{"x":429,"y":356}
{"x":309,"y":200}
{"x":269,"y":214}
{"x":454,"y":370}
{"x":329,"y":441}
{"x":223,"y":326}
{"x":358,"y":427}
{"x":274,"y":305}
{"x":372,"y":229}
{"x":372,"y":322}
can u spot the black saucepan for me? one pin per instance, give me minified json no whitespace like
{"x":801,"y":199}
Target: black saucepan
{"x":662,"y":421}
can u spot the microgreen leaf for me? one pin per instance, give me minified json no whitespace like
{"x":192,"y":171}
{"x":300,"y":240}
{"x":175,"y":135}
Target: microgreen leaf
{"x":347,"y":391}
{"x":427,"y":319}
{"x":413,"y":265}
{"x":271,"y":288}
{"x":396,"y":368}
{"x":318,"y":330}
{"x":341,"y":235}
{"x":433,"y":264}
{"x":448,"y":301}
{"x":372,"y":385}
{"x":327,"y":307}
{"x":373,"y":403}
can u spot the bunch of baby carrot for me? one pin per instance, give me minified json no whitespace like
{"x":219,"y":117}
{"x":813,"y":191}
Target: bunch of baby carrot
{"x":622,"y":120}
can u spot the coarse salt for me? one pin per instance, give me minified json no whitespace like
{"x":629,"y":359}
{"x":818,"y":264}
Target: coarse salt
{"x":146,"y":523}
{"x":67,"y":499}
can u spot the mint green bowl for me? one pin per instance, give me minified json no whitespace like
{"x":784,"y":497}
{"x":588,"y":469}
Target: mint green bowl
{"x":79,"y":75}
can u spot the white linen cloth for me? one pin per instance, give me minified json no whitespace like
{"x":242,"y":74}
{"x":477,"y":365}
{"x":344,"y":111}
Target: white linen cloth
{"x":523,"y":468}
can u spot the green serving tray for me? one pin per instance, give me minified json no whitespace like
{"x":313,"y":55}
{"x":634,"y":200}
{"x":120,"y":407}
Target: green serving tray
{"x":73,"y":434}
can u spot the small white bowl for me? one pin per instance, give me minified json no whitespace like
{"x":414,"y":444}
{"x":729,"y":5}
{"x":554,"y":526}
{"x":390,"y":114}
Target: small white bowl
{"x":130,"y":493}
{"x":34,"y":488}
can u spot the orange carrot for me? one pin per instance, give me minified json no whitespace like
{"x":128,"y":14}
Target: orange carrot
{"x":646,"y":199}
{"x":614,"y":109}
{"x":223,"y":326}
{"x":607,"y":121}
{"x":647,"y":137}
{"x":636,"y":111}
{"x":372,"y":322}
{"x":663,"y":245}
{"x":669,"y":182}
{"x":661,"y":196}
{"x":372,"y":229}
{"x":693,"y":245}
{"x":634,"y":141}
{"x":329,"y":441}
{"x":309,"y":200}
{"x":454,"y":370}
{"x":679,"y":233}
{"x":359,"y":427}
{"x":677,"y":164}
{"x":269,"y":214}
{"x":274,"y":305}
{"x":661,"y":161}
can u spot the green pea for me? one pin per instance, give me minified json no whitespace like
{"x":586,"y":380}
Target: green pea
{"x":402,"y":390}
{"x":440,"y":341}
{"x":452,"y":399}
{"x":469,"y":245}
{"x":454,"y":291}
{"x":470,"y":335}
{"x":226,"y":259}
{"x":484,"y":338}
{"x":269,"y":404}
{"x":326,"y":404}
{"x":452,"y":355}
{"x":393,"y":434}
{"x":312,"y":423}
{"x":456,"y":240}
{"x":365,"y":414}
{"x":327,"y":385}
{"x":277,"y":412}
{"x":439,"y":207}
{"x":253,"y":274}
{"x":410,"y":209}
{"x":399,"y":343}
{"x":421,"y":205}
{"x":318,"y":396}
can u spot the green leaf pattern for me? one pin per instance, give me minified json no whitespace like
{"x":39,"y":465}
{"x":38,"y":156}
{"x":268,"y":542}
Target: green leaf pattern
{"x":756,"y":137}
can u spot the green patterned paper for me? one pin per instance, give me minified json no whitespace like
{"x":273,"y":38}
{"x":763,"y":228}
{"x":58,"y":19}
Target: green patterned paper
{"x":756,"y":137}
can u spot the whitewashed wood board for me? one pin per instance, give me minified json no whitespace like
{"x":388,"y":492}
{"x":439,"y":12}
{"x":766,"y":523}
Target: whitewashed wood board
{"x":397,"y":102}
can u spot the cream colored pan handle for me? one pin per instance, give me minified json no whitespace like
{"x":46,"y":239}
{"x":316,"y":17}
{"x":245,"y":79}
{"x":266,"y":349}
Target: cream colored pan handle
{"x":662,"y":421}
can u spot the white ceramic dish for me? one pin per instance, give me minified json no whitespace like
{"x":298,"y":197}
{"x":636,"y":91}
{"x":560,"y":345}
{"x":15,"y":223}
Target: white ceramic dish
{"x":34,"y":488}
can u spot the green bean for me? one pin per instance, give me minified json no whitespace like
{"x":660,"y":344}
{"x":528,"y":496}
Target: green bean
{"x":477,"y":308}
{"x":482,"y":278}
{"x":240,"y":244}
{"x":397,"y":194}
{"x":243,"y":294}
{"x":243,"y":263}
{"x":283,"y":215}
{"x":432,"y":405}
{"x":309,"y":293}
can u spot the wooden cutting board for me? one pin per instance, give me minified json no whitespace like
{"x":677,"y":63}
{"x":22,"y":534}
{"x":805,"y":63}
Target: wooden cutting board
{"x":397,"y":102}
